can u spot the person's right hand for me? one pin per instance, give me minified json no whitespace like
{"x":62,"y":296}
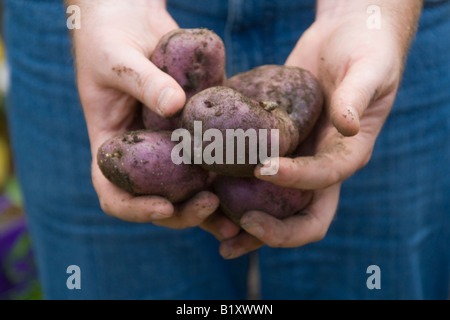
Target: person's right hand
{"x":115,"y":75}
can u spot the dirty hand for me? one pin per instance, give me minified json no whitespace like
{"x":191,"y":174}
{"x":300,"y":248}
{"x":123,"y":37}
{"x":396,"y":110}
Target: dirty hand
{"x":360,"y":68}
{"x":114,"y":76}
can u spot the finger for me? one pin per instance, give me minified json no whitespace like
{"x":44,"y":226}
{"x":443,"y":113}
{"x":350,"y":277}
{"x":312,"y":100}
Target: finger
{"x":220,"y":226}
{"x":310,"y":225}
{"x":240,"y":245}
{"x":301,"y":54}
{"x":138,"y":77}
{"x":192,"y":212}
{"x":331,"y":165}
{"x":120,"y":204}
{"x":353,"y":95}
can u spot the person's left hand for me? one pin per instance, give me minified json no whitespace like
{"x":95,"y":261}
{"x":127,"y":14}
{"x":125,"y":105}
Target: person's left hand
{"x":360,"y":70}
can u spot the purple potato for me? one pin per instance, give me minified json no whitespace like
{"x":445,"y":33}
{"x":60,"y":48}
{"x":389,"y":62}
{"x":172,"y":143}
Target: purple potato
{"x":224,"y":108}
{"x":195,"y":58}
{"x":240,"y":195}
{"x":295,"y":90}
{"x":155,"y":122}
{"x":140,"y":163}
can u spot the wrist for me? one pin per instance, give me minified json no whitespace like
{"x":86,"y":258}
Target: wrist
{"x":141,"y":22}
{"x":396,"y":18}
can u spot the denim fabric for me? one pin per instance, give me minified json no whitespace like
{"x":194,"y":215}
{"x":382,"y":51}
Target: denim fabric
{"x":118,"y":260}
{"x":394,"y":213}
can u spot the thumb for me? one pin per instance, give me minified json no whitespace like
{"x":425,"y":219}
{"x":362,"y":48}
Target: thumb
{"x":353,"y":96}
{"x":140,"y":78}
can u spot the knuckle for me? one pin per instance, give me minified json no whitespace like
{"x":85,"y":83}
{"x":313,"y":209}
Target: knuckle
{"x":320,"y":235}
{"x":106,"y":207}
{"x":366,"y":159}
{"x":146,"y":89}
{"x":363,"y":96}
{"x":110,"y":206}
{"x":334,"y":176}
{"x":321,"y":232}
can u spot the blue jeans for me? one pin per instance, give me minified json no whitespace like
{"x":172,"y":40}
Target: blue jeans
{"x":394,"y":213}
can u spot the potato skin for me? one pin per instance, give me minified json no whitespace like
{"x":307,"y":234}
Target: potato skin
{"x":195,"y":58}
{"x":224,"y":108}
{"x":241,"y":195}
{"x":295,"y":90}
{"x":140,"y":163}
{"x":155,"y":122}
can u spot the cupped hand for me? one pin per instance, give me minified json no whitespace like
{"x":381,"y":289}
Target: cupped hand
{"x":360,"y":70}
{"x":115,"y":76}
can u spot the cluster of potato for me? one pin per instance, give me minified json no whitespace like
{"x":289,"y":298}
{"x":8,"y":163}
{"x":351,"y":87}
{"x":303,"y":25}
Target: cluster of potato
{"x":268,"y":97}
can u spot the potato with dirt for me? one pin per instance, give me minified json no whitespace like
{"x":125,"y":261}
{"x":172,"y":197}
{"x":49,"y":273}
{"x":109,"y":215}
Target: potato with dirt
{"x":195,"y":58}
{"x":269,"y":98}
{"x":293,"y":89}
{"x":240,"y":195}
{"x":227,"y":110}
{"x":297,"y":92}
{"x":140,"y":163}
